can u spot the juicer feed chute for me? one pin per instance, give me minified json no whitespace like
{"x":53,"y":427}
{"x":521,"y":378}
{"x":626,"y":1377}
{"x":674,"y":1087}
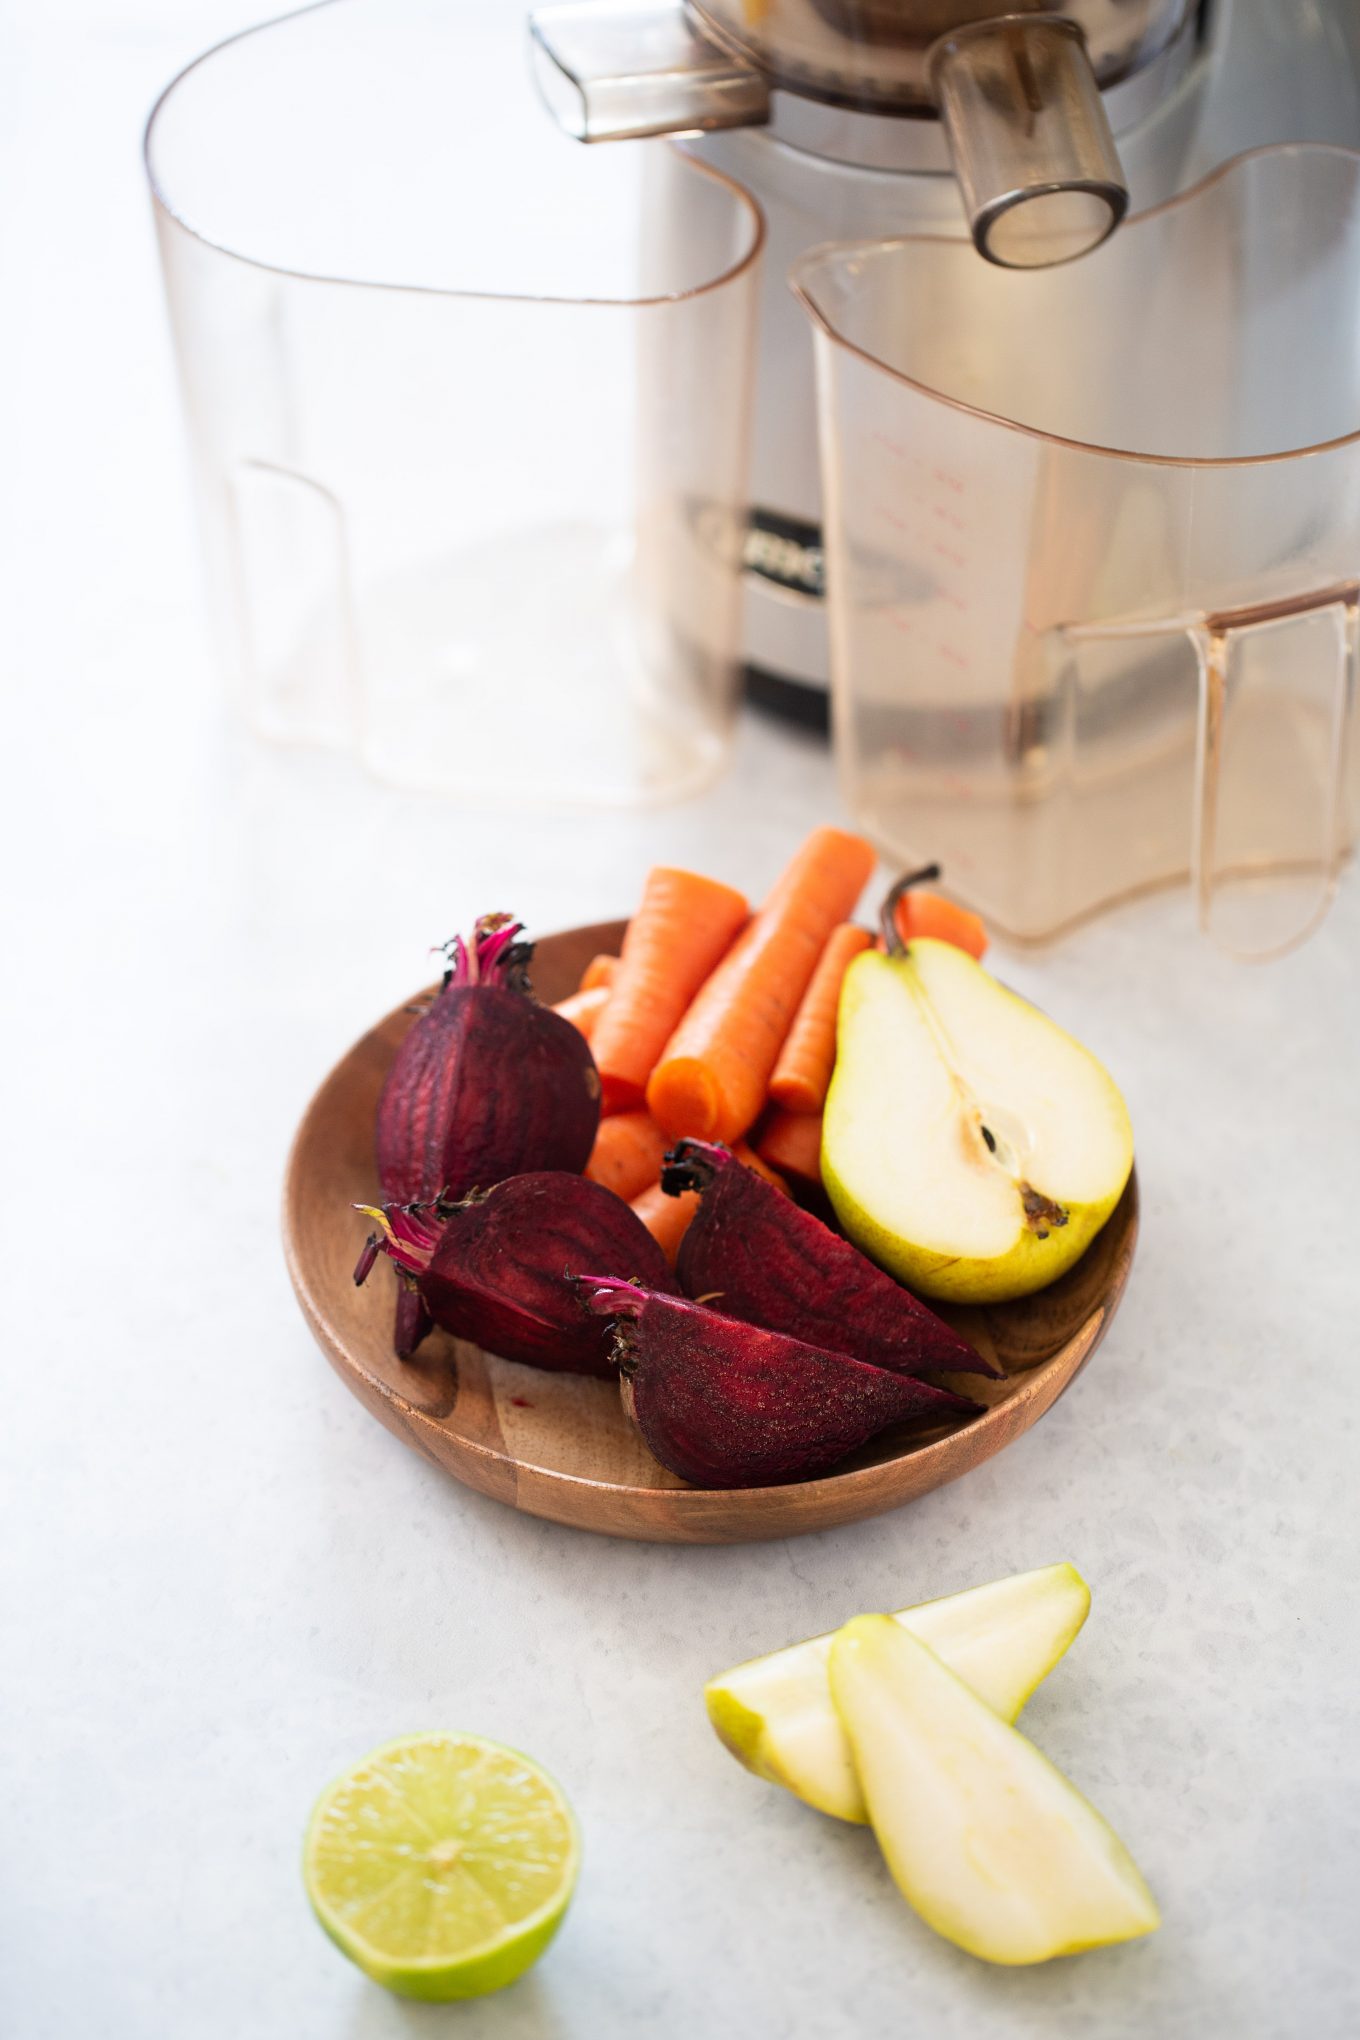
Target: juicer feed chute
{"x":630,"y":69}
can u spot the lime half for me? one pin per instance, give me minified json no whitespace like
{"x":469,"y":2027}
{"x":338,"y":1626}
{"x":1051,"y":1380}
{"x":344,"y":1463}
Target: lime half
{"x":442,"y":1864}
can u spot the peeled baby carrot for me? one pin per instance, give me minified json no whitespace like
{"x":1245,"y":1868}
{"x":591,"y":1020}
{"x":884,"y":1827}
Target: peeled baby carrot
{"x":601,"y":970}
{"x":792,"y":1141}
{"x":583,"y":1009}
{"x":712,"y":1078}
{"x":627,"y":1154}
{"x":803,"y":1073}
{"x":683,"y":926}
{"x":928,"y":913}
{"x":666,"y":1218}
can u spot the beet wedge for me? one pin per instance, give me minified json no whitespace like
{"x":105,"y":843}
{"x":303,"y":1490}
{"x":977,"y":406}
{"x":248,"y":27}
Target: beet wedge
{"x":727,"y":1405}
{"x":491,"y":1268}
{"x":486,"y":1084}
{"x":755,"y":1255}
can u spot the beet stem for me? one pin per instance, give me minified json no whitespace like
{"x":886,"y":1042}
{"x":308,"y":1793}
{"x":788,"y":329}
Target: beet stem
{"x":406,"y":1237}
{"x":493,"y":957}
{"x":609,"y":1295}
{"x":363,"y":1267}
{"x":692,"y":1165}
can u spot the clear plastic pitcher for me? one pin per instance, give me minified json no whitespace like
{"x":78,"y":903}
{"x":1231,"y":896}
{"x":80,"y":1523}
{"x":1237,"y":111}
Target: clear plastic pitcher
{"x":1094,"y":553}
{"x":469,"y":443}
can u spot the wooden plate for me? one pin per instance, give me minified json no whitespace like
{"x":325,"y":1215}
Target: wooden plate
{"x":559,"y":1445}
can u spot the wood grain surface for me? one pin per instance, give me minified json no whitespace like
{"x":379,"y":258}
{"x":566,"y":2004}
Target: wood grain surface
{"x":559,"y":1445}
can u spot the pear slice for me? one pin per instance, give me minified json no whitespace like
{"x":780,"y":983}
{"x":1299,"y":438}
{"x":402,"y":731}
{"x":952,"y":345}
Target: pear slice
{"x":970,"y":1147}
{"x":984,"y":1837}
{"x":775,"y":1713}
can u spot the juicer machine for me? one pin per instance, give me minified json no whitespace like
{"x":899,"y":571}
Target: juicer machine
{"x":1034,"y":130}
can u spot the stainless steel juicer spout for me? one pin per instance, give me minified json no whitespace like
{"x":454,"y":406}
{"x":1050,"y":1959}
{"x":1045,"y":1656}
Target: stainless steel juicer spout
{"x":1016,"y":93}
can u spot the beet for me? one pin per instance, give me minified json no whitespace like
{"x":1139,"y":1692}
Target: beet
{"x":493,"y":1268}
{"x":754,"y":1255}
{"x":727,"y":1405}
{"x":412,"y":1321}
{"x":485,"y":1085}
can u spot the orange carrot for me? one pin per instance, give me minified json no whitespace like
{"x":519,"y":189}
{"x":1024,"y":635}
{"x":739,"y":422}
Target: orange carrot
{"x":601,"y":970}
{"x":666,"y":1218}
{"x":792,"y":1141}
{"x":712,"y":1077}
{"x":684,"y":925}
{"x":583,"y":1009}
{"x":627,"y":1153}
{"x":927,"y":913}
{"x":803,"y":1072}
{"x":754,"y":1161}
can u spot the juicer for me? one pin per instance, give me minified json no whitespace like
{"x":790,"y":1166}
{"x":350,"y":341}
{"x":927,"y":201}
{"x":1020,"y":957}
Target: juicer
{"x":1034,"y":131}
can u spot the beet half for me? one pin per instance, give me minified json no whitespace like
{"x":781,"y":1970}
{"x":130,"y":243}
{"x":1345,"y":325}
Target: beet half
{"x":726,"y":1405}
{"x":486,"y":1084}
{"x":493,"y":1268}
{"x":755,"y":1255}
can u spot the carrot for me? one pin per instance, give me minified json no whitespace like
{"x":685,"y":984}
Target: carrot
{"x":928,"y":913}
{"x":583,"y":1009}
{"x":803,"y":1072}
{"x":754,"y":1161}
{"x":712,"y":1076}
{"x":683,"y":926}
{"x":666,"y":1218}
{"x":792,"y":1141}
{"x":627,"y":1154}
{"x":601,"y":970}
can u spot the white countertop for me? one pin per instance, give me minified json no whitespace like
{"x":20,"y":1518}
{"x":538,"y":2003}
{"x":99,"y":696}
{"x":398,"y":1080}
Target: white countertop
{"x":222,"y":1581}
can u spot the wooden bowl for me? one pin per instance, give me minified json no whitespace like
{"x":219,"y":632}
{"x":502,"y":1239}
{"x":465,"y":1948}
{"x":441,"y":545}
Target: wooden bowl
{"x":559,"y":1445}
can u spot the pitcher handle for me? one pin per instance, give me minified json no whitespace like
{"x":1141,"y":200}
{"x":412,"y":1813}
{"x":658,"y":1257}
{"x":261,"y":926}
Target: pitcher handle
{"x":294,"y":601}
{"x":1277,"y":684}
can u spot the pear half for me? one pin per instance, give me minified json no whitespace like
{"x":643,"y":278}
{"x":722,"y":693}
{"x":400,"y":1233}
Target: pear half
{"x":969,"y":1146}
{"x":775,"y":1713}
{"x":984,"y":1837}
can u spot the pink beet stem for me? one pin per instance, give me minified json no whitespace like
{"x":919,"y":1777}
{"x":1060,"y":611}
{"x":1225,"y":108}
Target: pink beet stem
{"x":406,"y":1237}
{"x":494,"y":935}
{"x":492,"y":955}
{"x":455,"y":950}
{"x":607,"y":1296}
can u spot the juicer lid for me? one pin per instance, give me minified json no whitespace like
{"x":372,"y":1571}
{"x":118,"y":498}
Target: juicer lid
{"x":1016,"y":93}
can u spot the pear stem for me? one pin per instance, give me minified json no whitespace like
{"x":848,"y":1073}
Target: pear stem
{"x":892,"y":939}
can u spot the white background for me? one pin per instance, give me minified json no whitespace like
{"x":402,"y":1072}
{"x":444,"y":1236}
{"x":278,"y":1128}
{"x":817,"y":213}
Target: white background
{"x":220,"y":1580}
